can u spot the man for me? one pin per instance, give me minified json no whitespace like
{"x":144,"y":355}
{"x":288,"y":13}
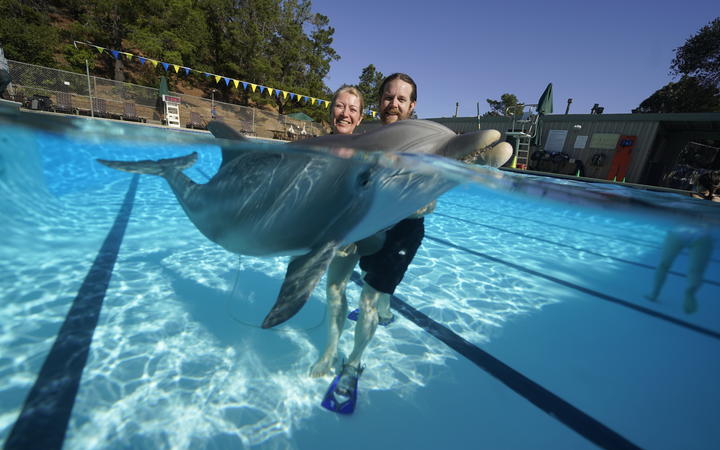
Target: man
{"x":383,"y":269}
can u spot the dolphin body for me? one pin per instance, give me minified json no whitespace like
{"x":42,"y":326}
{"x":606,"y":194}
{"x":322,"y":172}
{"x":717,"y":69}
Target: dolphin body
{"x":268,"y":202}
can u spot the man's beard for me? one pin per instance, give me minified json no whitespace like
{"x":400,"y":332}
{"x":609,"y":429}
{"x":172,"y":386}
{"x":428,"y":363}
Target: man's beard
{"x":396,"y":112}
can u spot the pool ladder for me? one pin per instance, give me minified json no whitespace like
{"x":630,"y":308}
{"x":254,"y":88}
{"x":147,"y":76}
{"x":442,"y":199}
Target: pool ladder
{"x":524,"y":127}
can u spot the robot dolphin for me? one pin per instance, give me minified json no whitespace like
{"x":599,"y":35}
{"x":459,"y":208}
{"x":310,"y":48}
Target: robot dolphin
{"x":284,"y":200}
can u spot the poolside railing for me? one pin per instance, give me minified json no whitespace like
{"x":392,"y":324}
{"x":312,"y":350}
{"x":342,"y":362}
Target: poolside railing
{"x":43,"y":88}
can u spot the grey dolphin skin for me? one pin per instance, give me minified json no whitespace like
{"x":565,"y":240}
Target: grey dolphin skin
{"x":267,"y":200}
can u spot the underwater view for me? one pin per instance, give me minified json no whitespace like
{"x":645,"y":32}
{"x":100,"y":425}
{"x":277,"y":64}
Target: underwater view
{"x":522,"y":322}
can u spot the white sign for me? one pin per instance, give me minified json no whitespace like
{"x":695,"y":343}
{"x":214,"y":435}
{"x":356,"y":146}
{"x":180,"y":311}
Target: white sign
{"x":555,"y":140}
{"x":580,"y":142}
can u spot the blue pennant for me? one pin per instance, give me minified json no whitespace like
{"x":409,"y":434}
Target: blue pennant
{"x":115,"y":54}
{"x":141,"y":59}
{"x":165,"y":65}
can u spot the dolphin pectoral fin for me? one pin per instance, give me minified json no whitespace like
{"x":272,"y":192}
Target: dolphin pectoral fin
{"x":303,"y":273}
{"x":151,"y":167}
{"x":224,"y":131}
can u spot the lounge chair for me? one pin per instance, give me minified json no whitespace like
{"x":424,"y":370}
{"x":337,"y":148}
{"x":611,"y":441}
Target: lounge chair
{"x":99,"y":107}
{"x":130,"y":114}
{"x":63,"y":104}
{"x":196,"y":122}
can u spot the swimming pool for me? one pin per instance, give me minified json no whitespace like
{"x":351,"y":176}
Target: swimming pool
{"x":522,"y":323}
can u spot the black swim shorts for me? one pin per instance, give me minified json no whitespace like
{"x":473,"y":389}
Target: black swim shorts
{"x":386,"y":268}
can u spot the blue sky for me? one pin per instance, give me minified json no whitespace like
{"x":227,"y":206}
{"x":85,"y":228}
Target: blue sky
{"x":615,"y":53}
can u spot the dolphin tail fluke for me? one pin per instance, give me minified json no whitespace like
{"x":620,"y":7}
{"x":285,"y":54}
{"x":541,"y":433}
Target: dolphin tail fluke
{"x":150,"y":167}
{"x":303,"y":273}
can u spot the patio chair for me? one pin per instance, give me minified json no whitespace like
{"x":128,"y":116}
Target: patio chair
{"x":63,"y":104}
{"x":196,"y":122}
{"x":99,"y":107}
{"x":130,"y":114}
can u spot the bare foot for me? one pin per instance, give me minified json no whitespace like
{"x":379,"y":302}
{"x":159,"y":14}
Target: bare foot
{"x":690,"y":304}
{"x":323,"y":367}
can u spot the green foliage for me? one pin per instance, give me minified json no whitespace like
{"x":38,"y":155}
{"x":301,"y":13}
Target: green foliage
{"x":26,"y":33}
{"x":687,"y":95}
{"x":508,"y":105}
{"x":369,"y":86}
{"x":276,"y":43}
{"x":699,"y":57}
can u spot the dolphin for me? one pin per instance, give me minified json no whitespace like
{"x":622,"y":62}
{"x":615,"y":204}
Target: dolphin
{"x":268,"y":200}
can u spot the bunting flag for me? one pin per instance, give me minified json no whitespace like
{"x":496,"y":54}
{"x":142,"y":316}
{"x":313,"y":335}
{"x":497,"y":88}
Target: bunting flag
{"x":293,"y":96}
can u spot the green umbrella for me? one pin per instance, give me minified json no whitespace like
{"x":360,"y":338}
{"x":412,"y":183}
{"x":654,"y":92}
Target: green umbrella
{"x":300,"y":116}
{"x":163,"y":89}
{"x":545,"y":105}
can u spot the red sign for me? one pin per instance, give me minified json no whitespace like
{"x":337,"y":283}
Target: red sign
{"x":171,"y":99}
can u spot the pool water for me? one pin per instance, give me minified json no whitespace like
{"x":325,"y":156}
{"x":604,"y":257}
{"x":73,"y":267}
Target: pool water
{"x":521,"y":322}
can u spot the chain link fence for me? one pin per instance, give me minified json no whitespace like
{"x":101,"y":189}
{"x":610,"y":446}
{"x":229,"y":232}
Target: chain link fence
{"x":47,"y":89}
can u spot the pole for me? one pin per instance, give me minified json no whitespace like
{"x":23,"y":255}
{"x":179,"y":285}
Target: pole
{"x":567,"y":109}
{"x":87,"y":71}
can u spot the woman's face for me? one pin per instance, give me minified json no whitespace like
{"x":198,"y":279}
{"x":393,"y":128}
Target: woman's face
{"x":346,"y":114}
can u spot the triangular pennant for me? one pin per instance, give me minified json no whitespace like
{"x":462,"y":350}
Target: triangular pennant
{"x":227,"y":81}
{"x":292,"y":96}
{"x":305,"y":98}
{"x":100,"y":49}
{"x":128,"y":56}
{"x":236,"y":83}
{"x":166,"y":66}
{"x":176,"y":67}
{"x":253,"y":87}
{"x":207,"y":74}
{"x":141,"y":59}
{"x":187,"y":70}
{"x":285,"y":94}
{"x":270,"y":91}
{"x":244,"y":85}
{"x":327,"y":104}
{"x":115,"y":53}
{"x":154,"y":63}
{"x":277,"y":93}
{"x":217,"y":78}
{"x":262,"y":89}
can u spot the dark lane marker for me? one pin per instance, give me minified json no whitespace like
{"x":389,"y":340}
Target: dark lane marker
{"x":577,"y":420}
{"x":648,"y":311}
{"x":44,"y":418}
{"x":560,"y":244}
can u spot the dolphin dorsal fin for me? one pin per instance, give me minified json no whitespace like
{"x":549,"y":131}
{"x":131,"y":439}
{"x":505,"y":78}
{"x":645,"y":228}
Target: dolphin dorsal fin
{"x":303,"y":273}
{"x":224,"y":131}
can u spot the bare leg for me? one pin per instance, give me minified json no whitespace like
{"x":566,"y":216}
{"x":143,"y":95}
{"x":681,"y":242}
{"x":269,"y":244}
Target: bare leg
{"x":383,"y":307}
{"x":671,"y":248}
{"x":700,"y":250}
{"x":337,"y":278}
{"x":366,"y":324}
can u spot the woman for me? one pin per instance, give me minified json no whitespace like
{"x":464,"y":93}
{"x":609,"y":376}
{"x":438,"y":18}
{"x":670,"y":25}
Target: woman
{"x":696,"y":239}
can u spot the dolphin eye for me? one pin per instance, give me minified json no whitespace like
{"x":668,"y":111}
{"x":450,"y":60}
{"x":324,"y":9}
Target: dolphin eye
{"x":364,"y":178}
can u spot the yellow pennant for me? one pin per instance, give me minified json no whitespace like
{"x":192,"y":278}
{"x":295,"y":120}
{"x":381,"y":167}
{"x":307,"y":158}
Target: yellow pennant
{"x":327,"y":104}
{"x":236,"y":83}
{"x":270,"y":91}
{"x":128,"y":55}
{"x":253,"y":86}
{"x":285,"y":94}
{"x":100,"y":49}
{"x":177,"y":68}
{"x":217,"y":79}
{"x":154,"y":63}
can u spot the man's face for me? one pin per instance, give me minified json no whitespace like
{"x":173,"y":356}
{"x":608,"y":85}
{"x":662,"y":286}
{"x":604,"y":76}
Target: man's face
{"x":395,"y":103}
{"x":346,"y":114}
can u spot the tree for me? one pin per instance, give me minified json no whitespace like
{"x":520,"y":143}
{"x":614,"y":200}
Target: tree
{"x":370,"y":80}
{"x":688,"y":94}
{"x":700,"y":56}
{"x":508,"y":105}
{"x":26,"y":33}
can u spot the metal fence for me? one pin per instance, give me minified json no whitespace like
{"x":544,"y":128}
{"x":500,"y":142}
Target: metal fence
{"x":38,"y":87}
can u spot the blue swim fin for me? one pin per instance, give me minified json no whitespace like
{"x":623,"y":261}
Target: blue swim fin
{"x":342,"y":396}
{"x":355,"y":313}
